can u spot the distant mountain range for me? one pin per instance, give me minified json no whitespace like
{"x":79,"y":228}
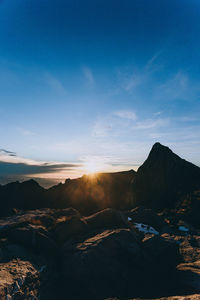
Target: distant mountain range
{"x":164,"y":181}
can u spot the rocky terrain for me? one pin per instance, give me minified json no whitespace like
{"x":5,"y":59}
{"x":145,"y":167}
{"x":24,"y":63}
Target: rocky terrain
{"x":59,"y":254}
{"x":124,"y":235}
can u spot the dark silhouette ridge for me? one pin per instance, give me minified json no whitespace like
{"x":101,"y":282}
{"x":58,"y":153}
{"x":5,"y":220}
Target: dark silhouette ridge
{"x":88,"y":194}
{"x":164,"y":178}
{"x":26,"y":195}
{"x":91,"y":193}
{"x":163,"y":181}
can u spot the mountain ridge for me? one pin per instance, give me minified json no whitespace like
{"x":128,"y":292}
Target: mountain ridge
{"x":159,"y":183}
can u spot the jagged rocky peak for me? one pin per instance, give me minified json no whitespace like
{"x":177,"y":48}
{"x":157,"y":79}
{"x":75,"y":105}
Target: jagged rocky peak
{"x":162,"y":156}
{"x":163,"y":178}
{"x":161,"y":152}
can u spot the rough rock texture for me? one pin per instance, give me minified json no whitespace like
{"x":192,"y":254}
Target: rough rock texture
{"x":19,"y":280}
{"x":50,"y":254}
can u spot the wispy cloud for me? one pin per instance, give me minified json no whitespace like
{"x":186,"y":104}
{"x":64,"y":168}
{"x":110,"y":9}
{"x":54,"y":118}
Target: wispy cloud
{"x":133,"y":82}
{"x":123,"y":122}
{"x":133,"y":77}
{"x":7,"y":152}
{"x":126,"y":114}
{"x":88,"y":75}
{"x":54,"y":83}
{"x":188,"y":119}
{"x":25,"y":132}
{"x":153,"y":64}
{"x":101,"y":128}
{"x":176,"y":87}
{"x":158,"y":113}
{"x":11,"y":164}
{"x":152,"y":123}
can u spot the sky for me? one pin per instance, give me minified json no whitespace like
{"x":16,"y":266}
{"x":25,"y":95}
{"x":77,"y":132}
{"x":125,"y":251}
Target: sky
{"x":92,"y":85}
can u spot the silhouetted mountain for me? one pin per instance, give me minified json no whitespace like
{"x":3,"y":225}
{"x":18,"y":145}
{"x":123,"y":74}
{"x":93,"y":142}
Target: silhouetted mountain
{"x":26,"y":195}
{"x":163,"y":179}
{"x":91,"y":193}
{"x":88,"y":194}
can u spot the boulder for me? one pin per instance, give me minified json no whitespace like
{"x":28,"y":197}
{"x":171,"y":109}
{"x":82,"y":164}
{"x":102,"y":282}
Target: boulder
{"x":19,"y":280}
{"x":108,"y":264}
{"x":33,"y":237}
{"x":69,"y":226}
{"x":163,"y":254}
{"x":67,"y":212}
{"x":113,"y":263}
{"x":107,"y":218}
{"x":147,"y":216}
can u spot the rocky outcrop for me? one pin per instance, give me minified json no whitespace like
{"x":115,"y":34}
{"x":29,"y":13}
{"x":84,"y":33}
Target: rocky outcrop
{"x":113,"y":263}
{"x":63,"y":255}
{"x":69,"y":226}
{"x":19,"y":280}
{"x":147,"y":216}
{"x":107,"y":218}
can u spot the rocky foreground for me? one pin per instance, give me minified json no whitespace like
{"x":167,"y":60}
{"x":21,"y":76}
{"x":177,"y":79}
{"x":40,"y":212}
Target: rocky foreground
{"x":136,"y":254}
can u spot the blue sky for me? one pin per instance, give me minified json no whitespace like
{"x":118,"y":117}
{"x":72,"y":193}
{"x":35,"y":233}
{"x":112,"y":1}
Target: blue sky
{"x":97,"y":81}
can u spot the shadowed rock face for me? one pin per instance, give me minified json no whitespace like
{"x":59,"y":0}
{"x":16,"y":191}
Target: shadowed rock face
{"x":163,"y":179}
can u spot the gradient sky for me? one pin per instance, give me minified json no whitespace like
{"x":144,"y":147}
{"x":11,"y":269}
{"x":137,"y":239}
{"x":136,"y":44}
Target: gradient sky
{"x":84,"y":81}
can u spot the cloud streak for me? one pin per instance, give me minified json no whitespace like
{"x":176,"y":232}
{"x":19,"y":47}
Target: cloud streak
{"x":11,"y":164}
{"x":7,"y":152}
{"x":88,"y":75}
{"x":54,"y":83}
{"x":152,"y":123}
{"x":126,"y":114}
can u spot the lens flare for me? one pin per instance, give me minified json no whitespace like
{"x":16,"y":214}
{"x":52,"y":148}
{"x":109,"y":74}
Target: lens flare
{"x":94,"y":165}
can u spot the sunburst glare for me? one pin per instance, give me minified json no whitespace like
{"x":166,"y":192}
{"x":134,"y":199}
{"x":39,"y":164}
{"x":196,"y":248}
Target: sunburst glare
{"x":94,"y":165}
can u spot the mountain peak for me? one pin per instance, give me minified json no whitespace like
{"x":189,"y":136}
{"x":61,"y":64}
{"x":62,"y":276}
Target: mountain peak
{"x":157,"y":144}
{"x":159,"y":147}
{"x":165,"y":177}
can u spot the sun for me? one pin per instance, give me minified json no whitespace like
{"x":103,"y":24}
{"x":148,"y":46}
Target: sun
{"x":93,"y":165}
